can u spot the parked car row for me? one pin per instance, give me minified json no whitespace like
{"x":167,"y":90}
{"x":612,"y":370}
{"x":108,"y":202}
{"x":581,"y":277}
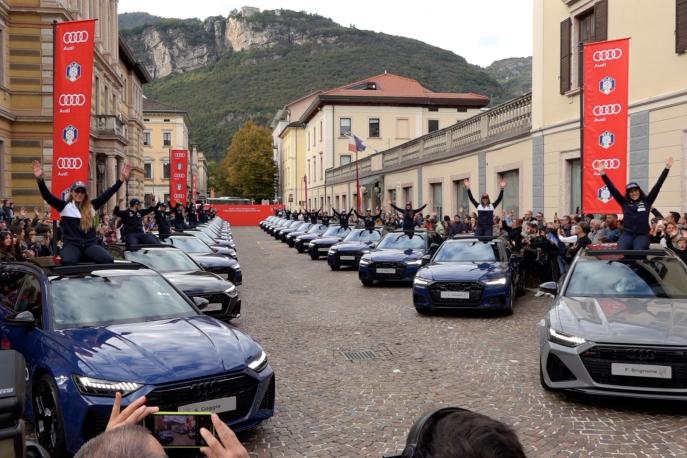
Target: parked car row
{"x":145,"y":325}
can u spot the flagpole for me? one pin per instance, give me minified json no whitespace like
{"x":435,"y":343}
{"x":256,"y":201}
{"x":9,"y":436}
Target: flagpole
{"x":357,"y":182}
{"x":305,"y":185}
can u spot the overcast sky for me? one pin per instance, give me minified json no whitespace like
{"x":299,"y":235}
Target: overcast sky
{"x":482,"y":31}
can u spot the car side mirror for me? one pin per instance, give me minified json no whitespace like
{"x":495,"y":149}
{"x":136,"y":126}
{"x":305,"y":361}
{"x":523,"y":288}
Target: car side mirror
{"x":550,"y":287}
{"x":23,"y":319}
{"x":426,"y":258}
{"x":201,"y":302}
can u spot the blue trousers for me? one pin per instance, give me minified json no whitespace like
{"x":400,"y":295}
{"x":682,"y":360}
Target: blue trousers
{"x":73,"y":254}
{"x":629,"y":241}
{"x":483,"y":230}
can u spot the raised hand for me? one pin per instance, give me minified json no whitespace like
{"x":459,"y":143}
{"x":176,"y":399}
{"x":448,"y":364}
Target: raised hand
{"x":229,"y":447}
{"x":37,"y":169}
{"x":601,"y":168}
{"x":133,"y":414}
{"x":503,"y":184}
{"x":669,"y":162}
{"x":466,"y":182}
{"x":126,"y":171}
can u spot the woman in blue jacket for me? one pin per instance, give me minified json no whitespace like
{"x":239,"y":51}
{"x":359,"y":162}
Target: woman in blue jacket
{"x":485,"y":210}
{"x":77,"y":218}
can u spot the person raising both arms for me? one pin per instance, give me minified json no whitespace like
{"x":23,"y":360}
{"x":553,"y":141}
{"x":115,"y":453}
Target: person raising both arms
{"x":77,"y":218}
{"x":636,"y":207}
{"x":368,"y":218}
{"x":343,"y":217}
{"x":408,"y":215}
{"x":485,"y":210}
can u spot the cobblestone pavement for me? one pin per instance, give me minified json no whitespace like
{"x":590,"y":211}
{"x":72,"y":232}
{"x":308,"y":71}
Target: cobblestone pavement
{"x":306,"y":316}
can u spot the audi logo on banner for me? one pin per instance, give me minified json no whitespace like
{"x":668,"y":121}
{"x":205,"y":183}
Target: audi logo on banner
{"x":611,"y":164}
{"x":79,"y":36}
{"x":69,"y":163}
{"x":72,"y":100}
{"x":604,"y":110}
{"x":607,"y":54}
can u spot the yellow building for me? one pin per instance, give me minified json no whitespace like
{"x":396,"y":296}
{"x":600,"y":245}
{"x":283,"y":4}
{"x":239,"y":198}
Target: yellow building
{"x":383,"y":110}
{"x":534,"y":141}
{"x":26,"y":96}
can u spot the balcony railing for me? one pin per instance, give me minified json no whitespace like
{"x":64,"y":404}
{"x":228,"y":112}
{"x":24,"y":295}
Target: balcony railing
{"x":109,"y":126}
{"x":508,"y":120}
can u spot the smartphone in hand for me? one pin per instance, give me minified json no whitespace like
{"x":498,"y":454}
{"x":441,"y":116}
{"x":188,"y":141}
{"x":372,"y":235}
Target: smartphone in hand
{"x":179,"y":429}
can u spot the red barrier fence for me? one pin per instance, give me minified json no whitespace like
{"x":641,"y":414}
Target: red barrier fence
{"x":244,"y":215}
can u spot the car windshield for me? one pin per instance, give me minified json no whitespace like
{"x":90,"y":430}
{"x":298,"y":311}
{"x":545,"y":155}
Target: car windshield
{"x":204,"y":237}
{"x":297,"y":225}
{"x":336,"y":231}
{"x":315,"y":228}
{"x":363,"y":235}
{"x":469,"y":251}
{"x":400,"y":241}
{"x":163,"y":260}
{"x":304,"y":227}
{"x":191,"y":245}
{"x":648,"y":277}
{"x":109,"y":297}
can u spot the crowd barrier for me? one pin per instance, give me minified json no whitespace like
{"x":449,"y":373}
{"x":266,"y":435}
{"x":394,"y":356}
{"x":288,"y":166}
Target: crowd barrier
{"x":244,"y":215}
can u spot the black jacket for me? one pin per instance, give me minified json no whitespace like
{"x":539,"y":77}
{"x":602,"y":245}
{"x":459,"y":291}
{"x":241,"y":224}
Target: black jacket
{"x":636,"y":212}
{"x":408,"y":216}
{"x":162,"y":222}
{"x":485,"y":214}
{"x":132,"y":221}
{"x":70,"y":216}
{"x":368,"y":220}
{"x":343,"y":217}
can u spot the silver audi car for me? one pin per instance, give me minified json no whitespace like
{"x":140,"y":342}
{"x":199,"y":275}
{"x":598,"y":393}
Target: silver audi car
{"x":618,"y":326}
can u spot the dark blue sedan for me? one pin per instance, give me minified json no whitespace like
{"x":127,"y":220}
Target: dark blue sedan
{"x":397,"y":257}
{"x":468,"y":273}
{"x":89,"y":331}
{"x":349,"y":251}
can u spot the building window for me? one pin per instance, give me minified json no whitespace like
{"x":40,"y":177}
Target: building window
{"x":97,"y":95}
{"x":407,"y":195}
{"x":344,"y":127}
{"x":402,"y":128}
{"x":462,"y":202}
{"x":148,"y":170}
{"x":337,"y":200}
{"x":511,"y":193}
{"x":314,"y":135}
{"x":374,"y":128}
{"x":437,"y":199}
{"x":308,"y":141}
{"x":146,"y":138}
{"x":345,"y":159}
{"x":343,"y":202}
{"x":321,"y":166}
{"x":308,"y":181}
{"x":321,"y":129}
{"x":681,"y":26}
{"x":432,"y":125}
{"x":165,"y":120}
{"x":575,"y":171}
{"x":167,"y":139}
{"x":165,"y":170}
{"x":392,"y":196}
{"x":433,"y":109}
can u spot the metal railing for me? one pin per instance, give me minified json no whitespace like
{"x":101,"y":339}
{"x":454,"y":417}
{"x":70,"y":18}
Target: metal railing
{"x":108,"y":126}
{"x":508,"y":120}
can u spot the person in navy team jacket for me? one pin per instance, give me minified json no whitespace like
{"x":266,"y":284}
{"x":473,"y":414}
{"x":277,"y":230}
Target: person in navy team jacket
{"x":485,"y":210}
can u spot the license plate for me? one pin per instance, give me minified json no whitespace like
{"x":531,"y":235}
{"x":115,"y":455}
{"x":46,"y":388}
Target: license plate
{"x":216,"y":406}
{"x":213,"y":307}
{"x":323,"y":250}
{"x":642,"y":370}
{"x":455,"y":294}
{"x":386,"y":270}
{"x":348,"y":258}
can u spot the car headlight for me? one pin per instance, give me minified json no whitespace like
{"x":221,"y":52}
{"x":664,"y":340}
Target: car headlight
{"x":232,"y":291}
{"x":565,"y":339}
{"x":495,"y":281}
{"x":417,"y":262}
{"x":99,"y":387}
{"x":311,"y":244}
{"x":259,"y":363}
{"x":365,"y":251}
{"x":332,"y":251}
{"x":421,"y":282}
{"x":364,"y":261}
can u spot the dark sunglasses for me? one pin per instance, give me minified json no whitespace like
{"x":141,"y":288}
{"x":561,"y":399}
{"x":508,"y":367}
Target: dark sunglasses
{"x":80,"y":191}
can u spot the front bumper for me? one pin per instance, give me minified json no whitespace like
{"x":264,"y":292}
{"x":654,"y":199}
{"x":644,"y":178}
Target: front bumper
{"x":319,"y":250}
{"x":230,"y":306}
{"x":402,"y":272}
{"x":479,"y":296}
{"x":344,"y":259}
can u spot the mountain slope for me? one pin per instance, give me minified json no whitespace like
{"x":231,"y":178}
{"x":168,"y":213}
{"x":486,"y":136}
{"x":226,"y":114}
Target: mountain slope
{"x":514,"y":74}
{"x":248,"y":65}
{"x":133,"y":20}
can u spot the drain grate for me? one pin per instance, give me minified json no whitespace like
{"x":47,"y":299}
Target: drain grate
{"x":359,"y":355}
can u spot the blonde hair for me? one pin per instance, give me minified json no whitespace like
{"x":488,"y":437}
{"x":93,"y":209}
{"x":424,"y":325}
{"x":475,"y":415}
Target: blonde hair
{"x":86,"y":209}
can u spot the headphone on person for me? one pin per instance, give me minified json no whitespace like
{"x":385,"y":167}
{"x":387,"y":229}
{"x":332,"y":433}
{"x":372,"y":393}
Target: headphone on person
{"x":419,"y":429}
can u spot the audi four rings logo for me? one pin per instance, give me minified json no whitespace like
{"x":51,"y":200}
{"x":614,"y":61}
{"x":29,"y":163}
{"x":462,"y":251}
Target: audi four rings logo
{"x":611,"y":164}
{"x":72,"y":100}
{"x":607,"y":54}
{"x":603,"y":110}
{"x":69,"y":163}
{"x":79,"y":36}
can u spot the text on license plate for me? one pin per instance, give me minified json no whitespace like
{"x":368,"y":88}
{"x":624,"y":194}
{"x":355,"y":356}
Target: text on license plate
{"x":642,"y":370}
{"x":455,"y":294}
{"x":386,"y":270}
{"x":213,"y":307}
{"x":324,"y":250}
{"x":348,"y":258}
{"x":215,"y":405}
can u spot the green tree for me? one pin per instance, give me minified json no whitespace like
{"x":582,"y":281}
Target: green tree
{"x":248,"y":170}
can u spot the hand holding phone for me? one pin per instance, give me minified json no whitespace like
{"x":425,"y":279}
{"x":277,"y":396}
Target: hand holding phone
{"x":229,"y":447}
{"x":180,"y":429}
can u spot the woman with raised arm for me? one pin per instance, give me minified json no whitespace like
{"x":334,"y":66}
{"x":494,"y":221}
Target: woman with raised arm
{"x":77,"y":218}
{"x":636,"y":207}
{"x":485,"y":210}
{"x":343,"y":217}
{"x":408,"y":215}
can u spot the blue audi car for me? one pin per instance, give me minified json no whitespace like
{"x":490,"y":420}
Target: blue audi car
{"x":468,"y":273}
{"x":349,"y":251}
{"x":397,"y":257}
{"x":89,"y":331}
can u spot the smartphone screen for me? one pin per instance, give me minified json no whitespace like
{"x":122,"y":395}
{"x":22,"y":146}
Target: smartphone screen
{"x":179,"y":429}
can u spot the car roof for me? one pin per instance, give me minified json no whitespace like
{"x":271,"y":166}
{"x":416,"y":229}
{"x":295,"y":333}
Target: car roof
{"x":606,"y":251}
{"x":51,"y":267}
{"x":471,"y":238}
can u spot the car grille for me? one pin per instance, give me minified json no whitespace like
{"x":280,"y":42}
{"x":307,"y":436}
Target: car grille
{"x":215,"y":298}
{"x":170,"y":397}
{"x":474,"y":288}
{"x":598,"y":359}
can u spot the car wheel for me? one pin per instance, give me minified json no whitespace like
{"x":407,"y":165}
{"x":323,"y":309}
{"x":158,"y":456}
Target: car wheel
{"x":300,"y":250}
{"x":314,"y":257}
{"x":511,"y":300}
{"x":47,"y":417}
{"x":423,"y":311}
{"x":542,"y":381}
{"x":335,"y":267}
{"x":367,"y":282}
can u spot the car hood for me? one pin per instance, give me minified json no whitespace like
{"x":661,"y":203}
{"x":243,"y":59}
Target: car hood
{"x":148,"y":352}
{"x":462,"y":271}
{"x":387,"y":255}
{"x":650,"y":321}
{"x":309,"y":236}
{"x":197,"y":282}
{"x":327,"y":240}
{"x":353,"y":246}
{"x":214,"y":260}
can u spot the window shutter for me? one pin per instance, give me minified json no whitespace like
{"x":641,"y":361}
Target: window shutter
{"x":681,"y":26}
{"x":601,"y":21}
{"x":566,"y":55}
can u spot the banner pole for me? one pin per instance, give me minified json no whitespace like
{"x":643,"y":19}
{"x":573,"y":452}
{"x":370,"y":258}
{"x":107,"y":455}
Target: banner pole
{"x":581,"y":53}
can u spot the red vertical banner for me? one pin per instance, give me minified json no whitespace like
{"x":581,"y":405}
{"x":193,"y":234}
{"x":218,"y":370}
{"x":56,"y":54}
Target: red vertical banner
{"x":72,"y":86}
{"x":606,"y":82}
{"x":178,"y":184}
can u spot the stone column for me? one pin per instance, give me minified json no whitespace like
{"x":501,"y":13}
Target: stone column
{"x":111,"y":172}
